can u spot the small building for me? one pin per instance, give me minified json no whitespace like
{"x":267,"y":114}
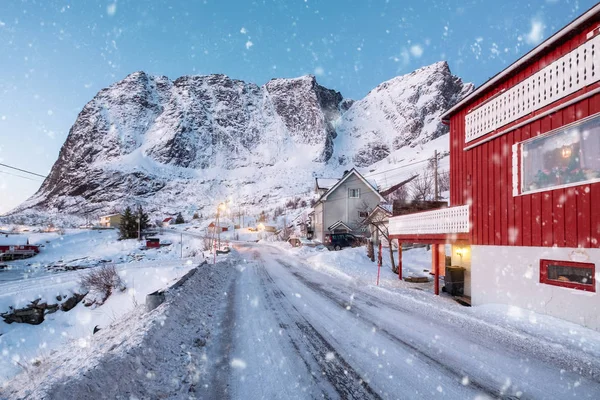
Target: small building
{"x":168,"y":221}
{"x":16,"y":246}
{"x":524,"y":219}
{"x":152,"y":243}
{"x":221,"y":228}
{"x":343,"y":206}
{"x":111,"y":220}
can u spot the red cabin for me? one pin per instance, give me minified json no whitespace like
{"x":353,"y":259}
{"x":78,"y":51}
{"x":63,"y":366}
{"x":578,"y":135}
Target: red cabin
{"x":524,"y":215}
{"x":16,"y":246}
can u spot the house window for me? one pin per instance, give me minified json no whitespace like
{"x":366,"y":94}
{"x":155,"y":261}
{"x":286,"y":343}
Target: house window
{"x":568,"y":156}
{"x":363,"y":214}
{"x":354,"y":193}
{"x":573,"y":275}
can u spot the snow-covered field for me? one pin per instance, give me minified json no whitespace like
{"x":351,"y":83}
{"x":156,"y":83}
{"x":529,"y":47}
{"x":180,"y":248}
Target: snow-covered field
{"x":142,"y":271}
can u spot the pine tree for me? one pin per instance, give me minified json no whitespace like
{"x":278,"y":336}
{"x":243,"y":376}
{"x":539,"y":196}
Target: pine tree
{"x":144,"y":219}
{"x":179,"y":219}
{"x":130,"y":225}
{"x":195,"y":216}
{"x":125,"y":226}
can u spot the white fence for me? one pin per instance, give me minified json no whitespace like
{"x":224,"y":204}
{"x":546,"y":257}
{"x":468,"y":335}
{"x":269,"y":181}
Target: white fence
{"x":575,"y":70}
{"x":444,"y":220}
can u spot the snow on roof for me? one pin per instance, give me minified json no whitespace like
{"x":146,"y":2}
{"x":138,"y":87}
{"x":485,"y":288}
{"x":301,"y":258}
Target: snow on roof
{"x":387,"y":207}
{"x":326,"y":183}
{"x":109,"y":215}
{"x":346,"y":176}
{"x":13,"y":240}
{"x":338,"y":224}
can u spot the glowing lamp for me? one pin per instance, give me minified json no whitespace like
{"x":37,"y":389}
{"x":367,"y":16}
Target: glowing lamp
{"x":566,"y":151}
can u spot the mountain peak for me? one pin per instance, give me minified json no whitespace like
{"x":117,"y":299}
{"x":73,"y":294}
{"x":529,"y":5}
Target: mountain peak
{"x":176,"y":146}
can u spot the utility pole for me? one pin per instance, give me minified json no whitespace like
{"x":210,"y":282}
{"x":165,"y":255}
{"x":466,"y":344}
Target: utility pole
{"x":139,"y":223}
{"x":181,"y":245}
{"x":435,"y":172}
{"x":218,"y":227}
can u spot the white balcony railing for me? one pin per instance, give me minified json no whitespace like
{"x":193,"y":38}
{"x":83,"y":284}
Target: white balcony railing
{"x":444,"y":220}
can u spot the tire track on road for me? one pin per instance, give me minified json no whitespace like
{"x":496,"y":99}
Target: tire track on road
{"x":428,"y":359}
{"x":313,"y":348}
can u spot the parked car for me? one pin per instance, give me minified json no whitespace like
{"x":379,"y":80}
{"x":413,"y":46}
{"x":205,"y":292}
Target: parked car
{"x":337,"y":241}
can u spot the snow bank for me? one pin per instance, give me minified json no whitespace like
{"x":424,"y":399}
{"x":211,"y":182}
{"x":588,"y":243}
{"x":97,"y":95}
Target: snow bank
{"x":123,"y":358}
{"x":353,"y":264}
{"x":142,"y":271}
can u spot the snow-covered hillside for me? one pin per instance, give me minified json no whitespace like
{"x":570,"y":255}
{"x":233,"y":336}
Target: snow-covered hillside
{"x":185,"y":145}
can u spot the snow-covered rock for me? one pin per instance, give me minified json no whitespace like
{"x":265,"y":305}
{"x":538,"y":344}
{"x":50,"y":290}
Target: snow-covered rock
{"x":402,"y":112}
{"x":185,"y":145}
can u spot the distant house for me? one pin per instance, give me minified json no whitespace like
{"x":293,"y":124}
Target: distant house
{"x":16,"y":246}
{"x":110,"y":220}
{"x":221,"y":228}
{"x":168,"y":221}
{"x":344,"y":205}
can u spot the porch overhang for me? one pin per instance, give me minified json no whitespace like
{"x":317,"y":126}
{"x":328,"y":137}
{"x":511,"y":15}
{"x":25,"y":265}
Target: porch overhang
{"x":339,"y":225}
{"x":439,"y":238}
{"x":446,"y":225}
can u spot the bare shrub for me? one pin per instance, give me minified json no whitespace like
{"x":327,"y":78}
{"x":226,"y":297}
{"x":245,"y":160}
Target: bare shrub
{"x":422,"y":187}
{"x":101,"y":282}
{"x":401,"y":194}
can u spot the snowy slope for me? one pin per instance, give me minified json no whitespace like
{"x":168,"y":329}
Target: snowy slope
{"x":185,"y":145}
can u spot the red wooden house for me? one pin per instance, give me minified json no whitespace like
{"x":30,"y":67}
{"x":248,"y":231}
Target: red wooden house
{"x":524,"y":215}
{"x":16,"y":246}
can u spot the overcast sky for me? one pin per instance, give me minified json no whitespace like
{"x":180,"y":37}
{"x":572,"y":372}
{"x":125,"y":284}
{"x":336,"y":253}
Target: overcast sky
{"x":56,"y":55}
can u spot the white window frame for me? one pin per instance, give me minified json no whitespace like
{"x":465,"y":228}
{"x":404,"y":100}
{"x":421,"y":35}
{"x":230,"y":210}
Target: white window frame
{"x":351,"y":191}
{"x":518,"y":161}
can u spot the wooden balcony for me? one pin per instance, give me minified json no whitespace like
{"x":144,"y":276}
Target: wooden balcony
{"x":445,"y":225}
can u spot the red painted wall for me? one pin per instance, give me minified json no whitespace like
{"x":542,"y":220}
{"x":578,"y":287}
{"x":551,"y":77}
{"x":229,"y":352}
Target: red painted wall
{"x":482,"y":176}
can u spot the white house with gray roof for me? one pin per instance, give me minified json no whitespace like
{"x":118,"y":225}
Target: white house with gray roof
{"x":343,"y":205}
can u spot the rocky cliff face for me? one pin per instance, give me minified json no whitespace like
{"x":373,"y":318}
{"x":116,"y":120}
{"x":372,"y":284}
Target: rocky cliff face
{"x":402,"y":112}
{"x":184,"y":144}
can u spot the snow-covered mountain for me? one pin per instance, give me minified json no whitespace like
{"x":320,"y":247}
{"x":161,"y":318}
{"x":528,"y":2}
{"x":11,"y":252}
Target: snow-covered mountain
{"x":187,"y":144}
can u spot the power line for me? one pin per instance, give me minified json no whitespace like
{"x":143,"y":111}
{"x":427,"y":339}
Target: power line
{"x":20,"y":176}
{"x":22,"y":170}
{"x":400,"y":167}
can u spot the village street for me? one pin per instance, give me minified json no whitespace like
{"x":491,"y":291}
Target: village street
{"x":291,"y":332}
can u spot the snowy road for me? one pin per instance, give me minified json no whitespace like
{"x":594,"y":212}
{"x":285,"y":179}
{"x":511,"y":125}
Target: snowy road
{"x":292,"y":332}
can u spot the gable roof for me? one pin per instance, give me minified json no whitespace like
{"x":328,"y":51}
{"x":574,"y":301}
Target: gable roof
{"x":535,"y":52}
{"x":338,"y":224}
{"x":353,"y":171}
{"x":386,"y":209}
{"x":167,"y":219}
